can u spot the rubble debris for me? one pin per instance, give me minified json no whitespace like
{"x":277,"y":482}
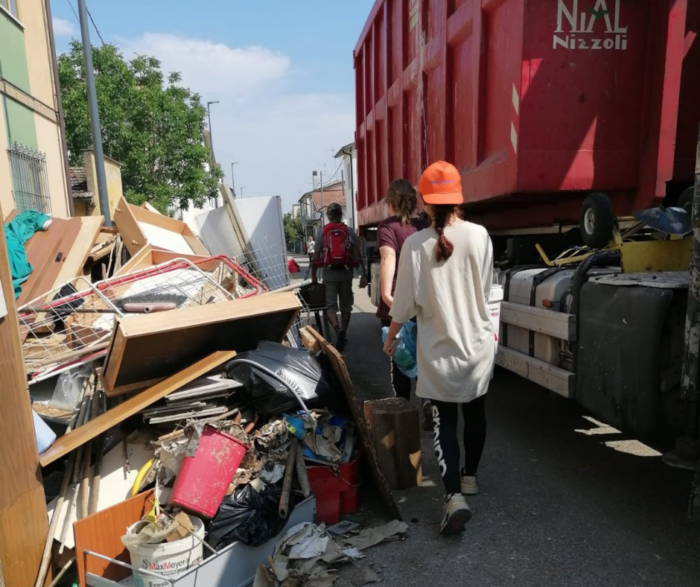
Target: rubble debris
{"x":364,"y":576}
{"x":373,"y":536}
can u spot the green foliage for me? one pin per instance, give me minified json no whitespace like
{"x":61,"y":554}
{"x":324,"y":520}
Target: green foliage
{"x":293,"y":232}
{"x":153,"y":127}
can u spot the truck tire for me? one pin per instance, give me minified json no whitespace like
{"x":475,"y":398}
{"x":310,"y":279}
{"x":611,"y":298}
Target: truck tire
{"x":597,"y":220}
{"x":685,"y":200}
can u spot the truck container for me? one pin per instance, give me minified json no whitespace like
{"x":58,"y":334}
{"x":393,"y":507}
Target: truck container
{"x":556,"y":113}
{"x":538,"y":103}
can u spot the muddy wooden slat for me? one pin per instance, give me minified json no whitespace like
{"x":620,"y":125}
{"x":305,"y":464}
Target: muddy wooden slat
{"x":23,"y":518}
{"x":364,"y":434}
{"x":133,"y":405}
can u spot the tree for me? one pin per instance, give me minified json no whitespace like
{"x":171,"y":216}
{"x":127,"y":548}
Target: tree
{"x":293,"y":232}
{"x":154,"y":128}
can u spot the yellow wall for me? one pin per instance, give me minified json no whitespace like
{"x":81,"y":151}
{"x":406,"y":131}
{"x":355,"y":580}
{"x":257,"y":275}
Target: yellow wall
{"x":49,"y":140}
{"x":113,"y":175}
{"x":32,"y":15}
{"x":6,"y":199}
{"x":41,"y":87}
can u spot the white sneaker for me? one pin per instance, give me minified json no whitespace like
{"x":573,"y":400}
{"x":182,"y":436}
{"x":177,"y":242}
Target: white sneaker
{"x":457,"y":514}
{"x":469,"y":485}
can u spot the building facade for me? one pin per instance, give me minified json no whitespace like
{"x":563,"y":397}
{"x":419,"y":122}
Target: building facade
{"x":349,"y":156}
{"x":33,"y":157}
{"x":313,"y":206}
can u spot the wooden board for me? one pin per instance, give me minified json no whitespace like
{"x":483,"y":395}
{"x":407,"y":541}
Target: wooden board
{"x":365,"y":436}
{"x":102,"y":533}
{"x":42,"y":251}
{"x":133,"y":405}
{"x":90,"y":227}
{"x":23,"y":519}
{"x":556,"y":324}
{"x":128,"y":217}
{"x":149,"y":256}
{"x":155,"y":345}
{"x":548,"y":376}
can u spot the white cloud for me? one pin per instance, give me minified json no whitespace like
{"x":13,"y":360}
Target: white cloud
{"x":211,"y":68}
{"x":63,"y":28}
{"x":278,"y":136}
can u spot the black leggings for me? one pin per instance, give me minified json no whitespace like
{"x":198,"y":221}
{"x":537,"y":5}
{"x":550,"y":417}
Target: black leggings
{"x":400,"y":383}
{"x":445,"y":416}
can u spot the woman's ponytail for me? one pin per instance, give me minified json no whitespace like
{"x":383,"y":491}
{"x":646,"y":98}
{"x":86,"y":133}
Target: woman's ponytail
{"x":444,"y":248}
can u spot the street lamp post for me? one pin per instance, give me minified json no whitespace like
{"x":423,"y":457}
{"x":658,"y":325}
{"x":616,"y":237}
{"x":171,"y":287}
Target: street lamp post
{"x":211,"y":134}
{"x":233,"y":183}
{"x":241,"y":192}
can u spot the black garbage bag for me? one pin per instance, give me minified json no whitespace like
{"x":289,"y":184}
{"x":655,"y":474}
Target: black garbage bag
{"x":297,"y":367}
{"x":249,"y":517}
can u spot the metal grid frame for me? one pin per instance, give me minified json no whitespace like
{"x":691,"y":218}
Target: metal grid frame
{"x":30,"y":181}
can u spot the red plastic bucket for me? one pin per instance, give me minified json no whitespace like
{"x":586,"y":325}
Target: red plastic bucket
{"x":203,"y":479}
{"x":335,"y":489}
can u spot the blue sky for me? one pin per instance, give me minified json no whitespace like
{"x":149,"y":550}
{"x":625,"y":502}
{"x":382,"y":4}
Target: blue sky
{"x":281,"y":70}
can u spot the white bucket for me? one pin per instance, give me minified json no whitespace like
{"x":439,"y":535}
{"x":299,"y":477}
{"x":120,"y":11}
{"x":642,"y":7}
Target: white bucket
{"x":170,"y":559}
{"x":494,"y":304}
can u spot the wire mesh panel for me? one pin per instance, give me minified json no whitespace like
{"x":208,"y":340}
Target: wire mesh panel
{"x":30,"y":184}
{"x":73,"y":323}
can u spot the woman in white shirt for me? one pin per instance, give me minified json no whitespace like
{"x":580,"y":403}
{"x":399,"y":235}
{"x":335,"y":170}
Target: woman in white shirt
{"x":444,"y":279}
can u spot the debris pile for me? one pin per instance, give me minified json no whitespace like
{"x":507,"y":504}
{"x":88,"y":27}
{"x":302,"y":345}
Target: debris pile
{"x":183,"y":411}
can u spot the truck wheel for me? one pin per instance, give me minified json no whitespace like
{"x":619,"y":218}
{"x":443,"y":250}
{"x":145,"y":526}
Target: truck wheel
{"x":597,"y":220}
{"x":685,"y":200}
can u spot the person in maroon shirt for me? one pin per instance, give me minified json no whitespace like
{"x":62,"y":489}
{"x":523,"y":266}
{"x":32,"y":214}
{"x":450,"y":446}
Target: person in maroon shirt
{"x":391,"y":234}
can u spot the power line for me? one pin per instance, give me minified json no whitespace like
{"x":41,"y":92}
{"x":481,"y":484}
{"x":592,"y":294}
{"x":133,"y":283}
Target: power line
{"x":92,"y":20}
{"x":74,"y":12}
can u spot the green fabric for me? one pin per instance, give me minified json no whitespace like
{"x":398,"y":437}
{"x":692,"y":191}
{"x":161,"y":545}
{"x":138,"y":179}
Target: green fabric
{"x":17,"y":233}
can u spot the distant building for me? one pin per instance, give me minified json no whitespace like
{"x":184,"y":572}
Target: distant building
{"x":296,"y":211}
{"x":84,"y":189}
{"x":349,"y":155}
{"x":313,"y":206}
{"x":33,"y":155}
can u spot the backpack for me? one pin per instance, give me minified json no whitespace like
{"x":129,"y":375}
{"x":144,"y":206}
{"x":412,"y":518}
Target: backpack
{"x":337,"y":246}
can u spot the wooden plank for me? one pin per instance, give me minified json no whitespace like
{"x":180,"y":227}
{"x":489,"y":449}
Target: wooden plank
{"x":548,"y":376}
{"x":21,"y":551}
{"x":170,"y":224}
{"x":309,"y":341}
{"x":149,"y":346}
{"x":102,"y":533}
{"x":23,"y":519}
{"x":140,"y":260}
{"x":133,"y":237}
{"x":42,"y":250}
{"x":131,"y":406}
{"x":556,"y":324}
{"x":364,"y":434}
{"x":90,"y":227}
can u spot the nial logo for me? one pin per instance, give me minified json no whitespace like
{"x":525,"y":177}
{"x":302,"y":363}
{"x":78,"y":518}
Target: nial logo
{"x":589,"y":24}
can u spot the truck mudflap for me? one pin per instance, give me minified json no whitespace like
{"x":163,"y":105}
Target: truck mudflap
{"x":621,"y":331}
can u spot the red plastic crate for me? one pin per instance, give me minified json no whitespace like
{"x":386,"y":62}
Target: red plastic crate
{"x":335,"y":490}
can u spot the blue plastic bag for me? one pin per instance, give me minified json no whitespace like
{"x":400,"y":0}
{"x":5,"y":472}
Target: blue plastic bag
{"x":405,"y":354}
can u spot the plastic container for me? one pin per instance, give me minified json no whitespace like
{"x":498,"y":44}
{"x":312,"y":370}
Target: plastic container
{"x":203,"y":479}
{"x":45,"y":437}
{"x":170,"y":559}
{"x":335,"y":490}
{"x":494,"y":304}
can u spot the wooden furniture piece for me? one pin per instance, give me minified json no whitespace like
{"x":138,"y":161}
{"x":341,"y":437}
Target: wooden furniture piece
{"x":396,"y":435}
{"x":102,"y":532}
{"x":146,"y":348}
{"x":133,"y":405}
{"x":149,"y":256}
{"x":365,"y":436}
{"x":139,"y":227}
{"x":23,"y":520}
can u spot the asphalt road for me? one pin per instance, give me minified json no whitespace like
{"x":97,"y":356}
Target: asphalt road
{"x":564,"y":500}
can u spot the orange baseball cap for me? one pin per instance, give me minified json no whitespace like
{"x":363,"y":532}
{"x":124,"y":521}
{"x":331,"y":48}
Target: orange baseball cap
{"x":441,"y":183}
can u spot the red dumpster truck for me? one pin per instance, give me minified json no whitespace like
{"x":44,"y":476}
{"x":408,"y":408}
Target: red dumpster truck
{"x":564,"y":118}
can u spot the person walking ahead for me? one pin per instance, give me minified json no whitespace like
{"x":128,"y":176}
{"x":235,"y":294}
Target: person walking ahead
{"x":391,"y":234}
{"x":444,"y":278}
{"x":338,"y":253}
